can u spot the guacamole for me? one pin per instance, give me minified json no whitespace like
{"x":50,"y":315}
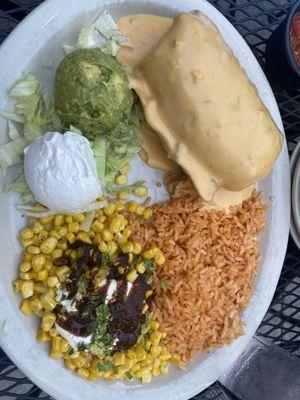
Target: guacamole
{"x":92,"y":92}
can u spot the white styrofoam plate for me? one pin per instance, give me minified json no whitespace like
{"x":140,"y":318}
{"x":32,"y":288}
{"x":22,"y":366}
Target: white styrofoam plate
{"x":35,"y":43}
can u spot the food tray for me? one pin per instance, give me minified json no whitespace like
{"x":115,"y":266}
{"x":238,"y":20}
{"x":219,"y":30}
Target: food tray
{"x":255,"y":20}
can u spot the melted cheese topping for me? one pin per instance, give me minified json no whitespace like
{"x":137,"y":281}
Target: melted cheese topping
{"x":202,"y":104}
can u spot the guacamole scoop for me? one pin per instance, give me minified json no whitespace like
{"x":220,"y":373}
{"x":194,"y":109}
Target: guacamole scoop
{"x":92,"y":92}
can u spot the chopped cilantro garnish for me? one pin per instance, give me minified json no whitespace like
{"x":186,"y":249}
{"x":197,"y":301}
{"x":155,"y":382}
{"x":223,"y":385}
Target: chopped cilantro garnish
{"x":149,"y":265}
{"x":81,"y":346}
{"x":71,"y":352}
{"x":82,"y":284}
{"x":101,"y":340}
{"x":129,"y":376}
{"x":165,"y":285}
{"x":106,"y":366}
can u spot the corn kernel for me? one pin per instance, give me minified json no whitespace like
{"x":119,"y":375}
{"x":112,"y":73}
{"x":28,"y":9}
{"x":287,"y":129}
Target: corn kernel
{"x":175,"y":358}
{"x":27,"y":256}
{"x":128,"y":247}
{"x":119,"y":359}
{"x":26,"y":276}
{"x":70,"y":237}
{"x":48,"y":264}
{"x":46,"y":220}
{"x":164,"y":368}
{"x":52,"y":281}
{"x":112,"y":247}
{"x":37,"y":228}
{"x":55,"y":348}
{"x":48,"y":321}
{"x":155,"y":372}
{"x":62,"y":244}
{"x":131,"y":354}
{"x":64,"y":346}
{"x":25,"y":307}
{"x":27,"y":233}
{"x":83,"y":237}
{"x":74,"y":227}
{"x":53,"y":332}
{"x":132,"y":275}
{"x":159,"y":258}
{"x":146,"y":378}
{"x":40,"y":288}
{"x":59,"y":220}
{"x":43,"y":336}
{"x":128,"y":363}
{"x":156,"y":362}
{"x":83,"y":373}
{"x":106,"y":235}
{"x":141,"y":191}
{"x":41,"y":275}
{"x":149,"y":293}
{"x":25,"y":266}
{"x":137,"y":248}
{"x":132,"y":206}
{"x":126,"y":233}
{"x":135,"y":368}
{"x":155,"y":350}
{"x":154,"y":324}
{"x":27,"y":242}
{"x":116,"y":224}
{"x":33,"y":250}
{"x":125,"y":168}
{"x":109,"y":209}
{"x":148,"y":213}
{"x":148,"y":254}
{"x":38,"y":262}
{"x":48,"y":245}
{"x":56,"y":253}
{"x":155,"y":337}
{"x":27,"y":288}
{"x":140,"y":210}
{"x":43,"y":235}
{"x":63,"y":230}
{"x":121,"y":179}
{"x":140,"y":267}
{"x":55,"y":234}
{"x":79,"y":218}
{"x":16,"y":285}
{"x":93,"y":377}
{"x":70,"y":365}
{"x":79,"y":361}
{"x":36,"y":305}
{"x":63,"y":272}
{"x":69,"y":219}
{"x":97,"y":226}
{"x":48,"y":301}
{"x":123,"y":195}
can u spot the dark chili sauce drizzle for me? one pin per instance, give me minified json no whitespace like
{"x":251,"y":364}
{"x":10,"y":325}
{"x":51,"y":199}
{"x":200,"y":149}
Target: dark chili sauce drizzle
{"x":126,"y":316}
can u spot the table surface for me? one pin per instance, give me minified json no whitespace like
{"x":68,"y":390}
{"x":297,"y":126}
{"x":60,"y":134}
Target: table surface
{"x":255,"y":20}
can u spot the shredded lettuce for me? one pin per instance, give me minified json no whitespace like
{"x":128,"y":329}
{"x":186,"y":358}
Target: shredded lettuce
{"x":39,"y":212}
{"x":19,"y":185}
{"x":99,"y":151}
{"x":34,"y":110}
{"x":103,"y":33}
{"x":121,"y":145}
{"x":127,"y":188}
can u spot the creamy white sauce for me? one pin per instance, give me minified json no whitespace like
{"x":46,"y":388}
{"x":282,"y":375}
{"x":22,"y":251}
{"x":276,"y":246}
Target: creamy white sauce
{"x":110,"y":291}
{"x":60,"y":170}
{"x":73,"y":340}
{"x":129,"y":287}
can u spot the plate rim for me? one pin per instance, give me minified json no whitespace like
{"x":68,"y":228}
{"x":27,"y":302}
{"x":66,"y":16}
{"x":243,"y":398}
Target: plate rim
{"x":40,"y":12}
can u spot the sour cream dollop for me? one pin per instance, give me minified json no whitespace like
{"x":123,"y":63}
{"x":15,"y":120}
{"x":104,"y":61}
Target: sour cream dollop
{"x":60,"y":171}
